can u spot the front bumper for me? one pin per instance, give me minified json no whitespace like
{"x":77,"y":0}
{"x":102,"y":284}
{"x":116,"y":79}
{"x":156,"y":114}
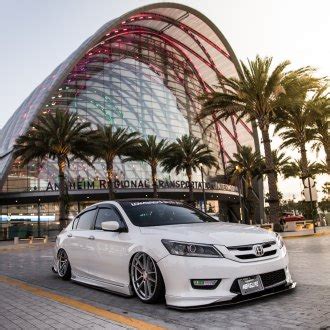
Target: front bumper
{"x":240,"y":298}
{"x":179,"y":271}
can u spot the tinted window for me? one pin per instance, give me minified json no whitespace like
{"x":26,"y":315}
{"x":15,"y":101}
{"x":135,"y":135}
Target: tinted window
{"x":106,"y":214}
{"x":160,"y":213}
{"x":86,"y":220}
{"x":75,"y":223}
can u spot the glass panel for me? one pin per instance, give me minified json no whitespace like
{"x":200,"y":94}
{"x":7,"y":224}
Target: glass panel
{"x":86,"y":220}
{"x":161,"y":213}
{"x":106,"y":214}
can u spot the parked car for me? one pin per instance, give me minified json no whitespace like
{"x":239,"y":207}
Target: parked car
{"x":289,"y":216}
{"x":164,"y":248}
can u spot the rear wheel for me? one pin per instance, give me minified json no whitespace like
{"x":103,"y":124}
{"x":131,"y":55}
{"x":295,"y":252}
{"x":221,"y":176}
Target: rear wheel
{"x":146,"y":278}
{"x":63,"y":265}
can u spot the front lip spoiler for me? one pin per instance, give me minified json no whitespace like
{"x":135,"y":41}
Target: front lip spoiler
{"x":239,"y":299}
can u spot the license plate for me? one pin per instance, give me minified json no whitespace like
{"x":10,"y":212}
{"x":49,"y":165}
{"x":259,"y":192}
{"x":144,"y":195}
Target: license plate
{"x":250,"y":284}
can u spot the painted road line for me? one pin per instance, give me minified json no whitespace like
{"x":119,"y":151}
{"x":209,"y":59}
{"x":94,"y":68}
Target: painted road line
{"x":124,"y":320}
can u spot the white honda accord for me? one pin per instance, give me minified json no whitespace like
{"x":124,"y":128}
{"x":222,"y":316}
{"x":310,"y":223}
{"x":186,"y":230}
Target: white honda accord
{"x":164,"y":248}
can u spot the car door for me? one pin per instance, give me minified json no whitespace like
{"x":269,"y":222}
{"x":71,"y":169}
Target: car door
{"x":79,"y":247}
{"x":111,"y":259}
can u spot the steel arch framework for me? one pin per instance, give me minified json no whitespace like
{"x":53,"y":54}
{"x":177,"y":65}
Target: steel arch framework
{"x":176,"y":42}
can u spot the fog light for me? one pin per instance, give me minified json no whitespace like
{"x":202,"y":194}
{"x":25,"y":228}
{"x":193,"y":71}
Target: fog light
{"x":205,"y":284}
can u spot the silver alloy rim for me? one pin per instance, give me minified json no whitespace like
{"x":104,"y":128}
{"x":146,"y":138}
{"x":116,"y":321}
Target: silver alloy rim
{"x":144,"y":276}
{"x":63,"y":263}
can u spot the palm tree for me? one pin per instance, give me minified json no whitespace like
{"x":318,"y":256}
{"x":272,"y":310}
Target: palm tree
{"x":245,"y":164}
{"x":280,"y":160}
{"x":188,"y":154}
{"x":243,"y":168}
{"x":111,"y":142}
{"x":321,"y":105}
{"x":295,"y":169}
{"x":153,"y":153}
{"x":62,"y":137}
{"x":254,"y":96}
{"x":294,"y":120}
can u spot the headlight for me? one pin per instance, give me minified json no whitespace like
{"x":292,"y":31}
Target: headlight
{"x":279,"y":240}
{"x":191,"y":249}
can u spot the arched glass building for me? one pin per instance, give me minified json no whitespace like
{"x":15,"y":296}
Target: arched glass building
{"x":143,"y":70}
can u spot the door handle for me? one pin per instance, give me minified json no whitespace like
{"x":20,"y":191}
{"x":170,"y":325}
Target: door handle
{"x":91,"y":237}
{"x":69,"y":235}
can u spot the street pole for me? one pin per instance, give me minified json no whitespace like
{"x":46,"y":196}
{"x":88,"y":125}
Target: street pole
{"x":311,"y":203}
{"x":240,"y":199}
{"x":294,"y":207}
{"x":204,"y":196}
{"x":39,"y":234}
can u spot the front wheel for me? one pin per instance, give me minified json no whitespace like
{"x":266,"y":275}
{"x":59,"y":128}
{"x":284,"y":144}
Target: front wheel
{"x":63,"y":265}
{"x":146,"y":278}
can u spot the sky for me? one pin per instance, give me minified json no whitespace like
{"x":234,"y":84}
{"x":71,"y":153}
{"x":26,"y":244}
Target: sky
{"x":37,"y":35}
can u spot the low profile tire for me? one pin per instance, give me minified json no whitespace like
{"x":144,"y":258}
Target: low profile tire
{"x":63,"y":265}
{"x":146,"y":278}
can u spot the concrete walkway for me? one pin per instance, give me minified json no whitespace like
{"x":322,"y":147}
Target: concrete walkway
{"x":9,"y":246}
{"x":26,"y":306}
{"x":20,"y":309}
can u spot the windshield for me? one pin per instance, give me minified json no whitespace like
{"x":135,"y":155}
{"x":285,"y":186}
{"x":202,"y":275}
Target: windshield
{"x":162,"y":213}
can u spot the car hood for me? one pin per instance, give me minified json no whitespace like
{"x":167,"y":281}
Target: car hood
{"x":218,"y":233}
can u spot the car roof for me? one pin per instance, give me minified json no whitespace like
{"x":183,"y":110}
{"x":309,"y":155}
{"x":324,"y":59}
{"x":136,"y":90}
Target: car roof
{"x":135,"y":200}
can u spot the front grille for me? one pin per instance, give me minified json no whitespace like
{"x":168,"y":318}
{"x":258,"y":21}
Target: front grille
{"x":253,"y":256}
{"x":246,"y":252}
{"x":268,"y":280}
{"x":250,"y":247}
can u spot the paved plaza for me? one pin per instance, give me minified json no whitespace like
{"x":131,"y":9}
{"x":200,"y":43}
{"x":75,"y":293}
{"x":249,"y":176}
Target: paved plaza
{"x":23,"y":310}
{"x":305,"y":307}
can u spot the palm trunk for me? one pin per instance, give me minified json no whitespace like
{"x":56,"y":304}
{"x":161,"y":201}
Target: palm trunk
{"x":327,"y":152}
{"x":191,"y":192}
{"x":304,"y":175}
{"x":252,"y":202}
{"x":304,"y":162}
{"x":154,"y":180}
{"x":63,"y":193}
{"x":274,"y":204}
{"x":110,"y":179}
{"x":245,"y":213}
{"x":252,"y":199}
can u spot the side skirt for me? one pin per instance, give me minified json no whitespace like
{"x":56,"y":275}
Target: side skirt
{"x":112,"y":287}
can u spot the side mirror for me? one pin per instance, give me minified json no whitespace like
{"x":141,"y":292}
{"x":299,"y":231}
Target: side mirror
{"x":110,"y":226}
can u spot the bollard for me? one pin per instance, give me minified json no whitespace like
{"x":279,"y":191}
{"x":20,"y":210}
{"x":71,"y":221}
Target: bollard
{"x":16,"y":240}
{"x":46,"y":239}
{"x":31,"y":240}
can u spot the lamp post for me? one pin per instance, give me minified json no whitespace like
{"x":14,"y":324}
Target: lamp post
{"x":240,"y":190}
{"x":204,"y":196}
{"x":39,"y":229}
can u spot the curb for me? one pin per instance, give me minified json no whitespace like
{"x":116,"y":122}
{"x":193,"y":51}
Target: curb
{"x":307,"y":235}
